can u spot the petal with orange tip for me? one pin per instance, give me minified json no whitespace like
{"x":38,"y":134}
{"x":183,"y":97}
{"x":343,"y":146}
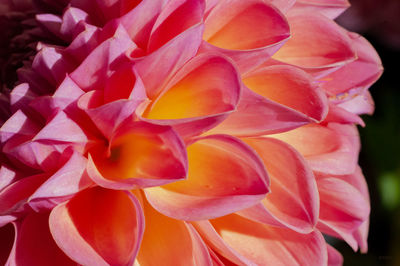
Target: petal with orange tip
{"x":248,"y":31}
{"x":171,"y":242}
{"x":330,"y":8}
{"x":99,"y":227}
{"x":138,"y":155}
{"x":245,"y":242}
{"x":293,"y":201}
{"x":225,"y":175}
{"x":291,"y":87}
{"x":316,"y":42}
{"x":200,"y":96}
{"x":331,"y":149}
{"x":34,"y":244}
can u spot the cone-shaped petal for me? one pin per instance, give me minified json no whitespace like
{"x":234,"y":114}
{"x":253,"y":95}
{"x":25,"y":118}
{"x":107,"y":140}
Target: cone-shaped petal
{"x":256,"y":115}
{"x":170,"y":242}
{"x":200,"y":95}
{"x":293,"y":200}
{"x":316,"y":42}
{"x":248,"y":31}
{"x":99,"y":227}
{"x":245,"y":242}
{"x":176,"y":17}
{"x":139,"y":155}
{"x":34,"y":244}
{"x":291,"y":87}
{"x":331,"y":149}
{"x":225,"y":175}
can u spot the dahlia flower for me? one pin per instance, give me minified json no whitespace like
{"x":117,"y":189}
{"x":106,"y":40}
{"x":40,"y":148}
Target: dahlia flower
{"x":186,"y":132}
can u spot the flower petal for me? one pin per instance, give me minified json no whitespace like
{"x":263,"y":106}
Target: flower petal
{"x":99,"y":227}
{"x":330,"y":8}
{"x":139,"y":155}
{"x":248,"y":31}
{"x":193,"y":102}
{"x":294,"y":198}
{"x":162,"y":245}
{"x":28,"y":250}
{"x":7,"y":236}
{"x":256,"y":115}
{"x":245,"y":242}
{"x":291,"y":87}
{"x":225,"y":175}
{"x":316,"y":42}
{"x":334,"y":257}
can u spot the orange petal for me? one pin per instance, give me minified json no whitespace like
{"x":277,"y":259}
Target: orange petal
{"x":289,"y":86}
{"x":174,"y":243}
{"x":225,"y":175}
{"x":99,"y":227}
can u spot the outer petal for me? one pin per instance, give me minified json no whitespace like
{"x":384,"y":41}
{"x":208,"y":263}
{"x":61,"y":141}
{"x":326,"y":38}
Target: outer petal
{"x":256,"y":115}
{"x":311,"y":47}
{"x":334,"y":257}
{"x":28,"y":250}
{"x":360,"y":104}
{"x":331,"y":149}
{"x":225,"y":175}
{"x":245,"y":242}
{"x":99,"y":227}
{"x":291,"y":87}
{"x":356,"y":76}
{"x":173,"y":243}
{"x":248,"y":31}
{"x":139,"y":155}
{"x":176,"y":17}
{"x":199,"y":96}
{"x":294,"y":201}
{"x":330,"y":8}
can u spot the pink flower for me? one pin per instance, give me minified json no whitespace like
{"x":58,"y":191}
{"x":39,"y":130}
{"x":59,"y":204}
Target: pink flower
{"x":187,"y":132}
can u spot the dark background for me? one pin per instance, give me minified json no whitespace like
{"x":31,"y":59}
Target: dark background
{"x":379,"y":22}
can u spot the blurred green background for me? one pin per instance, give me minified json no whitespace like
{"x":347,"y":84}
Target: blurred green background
{"x":379,"y":22}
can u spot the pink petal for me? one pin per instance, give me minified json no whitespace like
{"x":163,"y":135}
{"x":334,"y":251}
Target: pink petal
{"x":291,"y":87}
{"x":71,"y":18}
{"x":67,"y":181}
{"x":331,"y":149}
{"x":334,"y":257}
{"x":294,"y":201}
{"x":340,"y":115}
{"x":171,"y":56}
{"x":176,"y":17}
{"x":256,"y":115}
{"x":162,"y":245}
{"x":282,"y":5}
{"x":330,"y":8}
{"x":99,"y":227}
{"x":248,"y":31}
{"x":192,"y":102}
{"x":18,"y":126}
{"x":225,"y":175}
{"x":358,"y":75}
{"x":27,"y":247}
{"x":139,"y":155}
{"x":360,"y":104}
{"x":316,"y":42}
{"x":245,"y":242}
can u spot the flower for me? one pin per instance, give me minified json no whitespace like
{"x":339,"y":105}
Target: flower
{"x":187,"y":132}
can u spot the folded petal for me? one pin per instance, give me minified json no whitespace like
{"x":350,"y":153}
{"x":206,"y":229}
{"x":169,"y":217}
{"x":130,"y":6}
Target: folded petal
{"x":257,"y":115}
{"x":340,"y":115}
{"x":245,"y":242}
{"x":291,"y":87}
{"x":138,"y":155}
{"x":293,"y":200}
{"x":174,"y":243}
{"x":225,"y":175}
{"x":176,"y":17}
{"x":99,"y":227}
{"x":330,"y":149}
{"x":330,"y":8}
{"x":248,"y":31}
{"x":360,"y":104}
{"x":316,"y":42}
{"x":34,"y":244}
{"x":199,"y":96}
